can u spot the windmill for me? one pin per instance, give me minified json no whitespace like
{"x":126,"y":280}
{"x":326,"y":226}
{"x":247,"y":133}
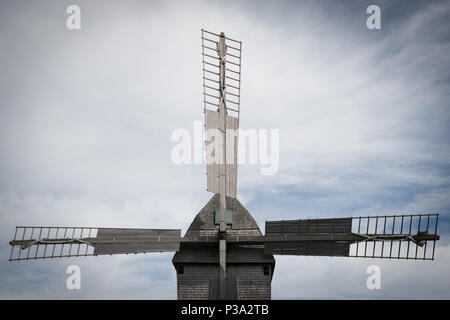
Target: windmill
{"x":223,"y":254}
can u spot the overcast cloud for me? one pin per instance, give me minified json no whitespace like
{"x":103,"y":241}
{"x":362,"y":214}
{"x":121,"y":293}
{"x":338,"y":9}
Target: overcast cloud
{"x":86,"y":119}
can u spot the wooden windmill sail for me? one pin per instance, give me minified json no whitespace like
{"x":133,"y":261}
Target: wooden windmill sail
{"x":223,"y":254}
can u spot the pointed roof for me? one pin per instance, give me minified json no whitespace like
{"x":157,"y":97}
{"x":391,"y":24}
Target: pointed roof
{"x":242,"y":222}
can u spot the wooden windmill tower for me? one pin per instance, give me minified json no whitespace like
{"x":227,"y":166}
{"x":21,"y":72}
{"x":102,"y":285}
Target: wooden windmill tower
{"x":223,"y":254}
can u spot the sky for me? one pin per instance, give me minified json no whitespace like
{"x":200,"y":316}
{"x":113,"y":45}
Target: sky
{"x":86,"y":118}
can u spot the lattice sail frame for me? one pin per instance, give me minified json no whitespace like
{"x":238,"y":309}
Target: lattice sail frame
{"x":211,"y":75}
{"x":51,"y":242}
{"x":395,"y":236}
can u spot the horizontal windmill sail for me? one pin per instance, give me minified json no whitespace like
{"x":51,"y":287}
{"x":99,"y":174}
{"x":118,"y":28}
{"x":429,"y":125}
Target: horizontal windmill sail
{"x":59,"y":242}
{"x":390,"y":237}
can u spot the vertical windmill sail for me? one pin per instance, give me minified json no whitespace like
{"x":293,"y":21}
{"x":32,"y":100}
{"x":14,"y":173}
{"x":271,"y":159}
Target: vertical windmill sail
{"x":221,"y":59}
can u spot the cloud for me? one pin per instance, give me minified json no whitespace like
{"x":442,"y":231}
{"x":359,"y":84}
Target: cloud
{"x":341,"y":278}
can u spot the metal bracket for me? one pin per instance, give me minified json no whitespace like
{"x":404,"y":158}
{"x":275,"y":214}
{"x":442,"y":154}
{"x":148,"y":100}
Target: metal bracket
{"x":398,"y":237}
{"x":51,"y":241}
